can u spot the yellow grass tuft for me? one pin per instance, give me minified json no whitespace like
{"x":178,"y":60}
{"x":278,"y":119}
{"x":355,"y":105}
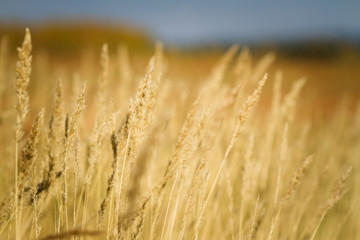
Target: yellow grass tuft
{"x":182,"y":156}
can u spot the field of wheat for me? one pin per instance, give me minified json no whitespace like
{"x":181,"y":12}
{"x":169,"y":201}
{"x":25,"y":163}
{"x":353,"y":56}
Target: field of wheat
{"x":105,"y":152}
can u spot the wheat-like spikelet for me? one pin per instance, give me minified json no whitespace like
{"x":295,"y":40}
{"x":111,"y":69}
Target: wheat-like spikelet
{"x":336,"y":195}
{"x":6,"y":210}
{"x":76,"y":172}
{"x":26,"y":170}
{"x":241,"y":119}
{"x":261,"y":68}
{"x":100,"y":131}
{"x":197,"y":185}
{"x":219,"y":70}
{"x":58,"y":111}
{"x":247,"y":108}
{"x":29,"y":152}
{"x":56,"y":131}
{"x":122,"y":177}
{"x":251,"y":231}
{"x":133,"y":210}
{"x":217,"y":75}
{"x":139,"y":121}
{"x":54,"y":144}
{"x":27,"y":166}
{"x":271,"y":131}
{"x":71,"y":129}
{"x":219,"y":115}
{"x":23,"y":71}
{"x":141,"y":109}
{"x":242,"y":69}
{"x":34,"y":199}
{"x":72,"y":123}
{"x":103,"y":78}
{"x":296,"y":180}
{"x":147,"y":177}
{"x":287,"y":109}
{"x":293,"y":185}
{"x":183,"y":152}
{"x":110,"y":182}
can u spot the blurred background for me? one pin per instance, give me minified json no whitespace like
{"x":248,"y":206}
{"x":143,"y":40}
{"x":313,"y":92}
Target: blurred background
{"x":316,"y":39}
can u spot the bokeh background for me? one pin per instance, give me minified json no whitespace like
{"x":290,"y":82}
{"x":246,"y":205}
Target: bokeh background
{"x":316,"y":39}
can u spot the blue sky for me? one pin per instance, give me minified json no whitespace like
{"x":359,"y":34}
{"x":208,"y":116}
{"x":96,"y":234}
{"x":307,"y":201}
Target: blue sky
{"x":186,"y":21}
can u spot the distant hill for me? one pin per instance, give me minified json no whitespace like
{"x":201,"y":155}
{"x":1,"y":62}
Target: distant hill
{"x":70,"y":38}
{"x":316,"y":46}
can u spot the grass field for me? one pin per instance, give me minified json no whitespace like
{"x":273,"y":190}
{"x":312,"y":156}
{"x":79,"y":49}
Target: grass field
{"x":119,"y":143}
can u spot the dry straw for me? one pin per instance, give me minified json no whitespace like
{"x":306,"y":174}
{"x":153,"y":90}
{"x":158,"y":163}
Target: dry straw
{"x":23,"y":71}
{"x":241,"y":119}
{"x":148,"y":177}
{"x":335,"y":196}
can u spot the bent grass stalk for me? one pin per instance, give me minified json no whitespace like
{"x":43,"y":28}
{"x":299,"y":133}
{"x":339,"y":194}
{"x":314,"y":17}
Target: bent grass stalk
{"x":243,"y":115}
{"x":23,"y":71}
{"x":248,"y":202}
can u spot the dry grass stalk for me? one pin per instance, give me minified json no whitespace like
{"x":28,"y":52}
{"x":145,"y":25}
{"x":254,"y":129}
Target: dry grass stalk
{"x":336,"y":195}
{"x":296,"y":180}
{"x":141,"y":110}
{"x":27,"y":166}
{"x":242,"y":69}
{"x":26,"y":173}
{"x":103,"y":78}
{"x":283,"y":154}
{"x":133,"y":210}
{"x":293,"y":185}
{"x":139,"y":120}
{"x":23,"y":71}
{"x":182,"y":155}
{"x":217,"y":75}
{"x":271,"y":130}
{"x":196,"y":186}
{"x":54,"y":144}
{"x":288,"y":107}
{"x":219,"y":70}
{"x":229,"y":193}
{"x":72,"y":234}
{"x":183,"y":144}
{"x":76,"y":172}
{"x":220,"y":113}
{"x":98,"y":135}
{"x":251,"y":231}
{"x":261,"y":68}
{"x":125,"y":70}
{"x":29,"y":152}
{"x":243,"y":115}
{"x":248,"y":186}
{"x":114,"y":145}
{"x":136,"y":200}
{"x":71,"y":129}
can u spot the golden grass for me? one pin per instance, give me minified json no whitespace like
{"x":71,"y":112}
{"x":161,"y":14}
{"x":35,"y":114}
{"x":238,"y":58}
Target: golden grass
{"x":172,"y":159}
